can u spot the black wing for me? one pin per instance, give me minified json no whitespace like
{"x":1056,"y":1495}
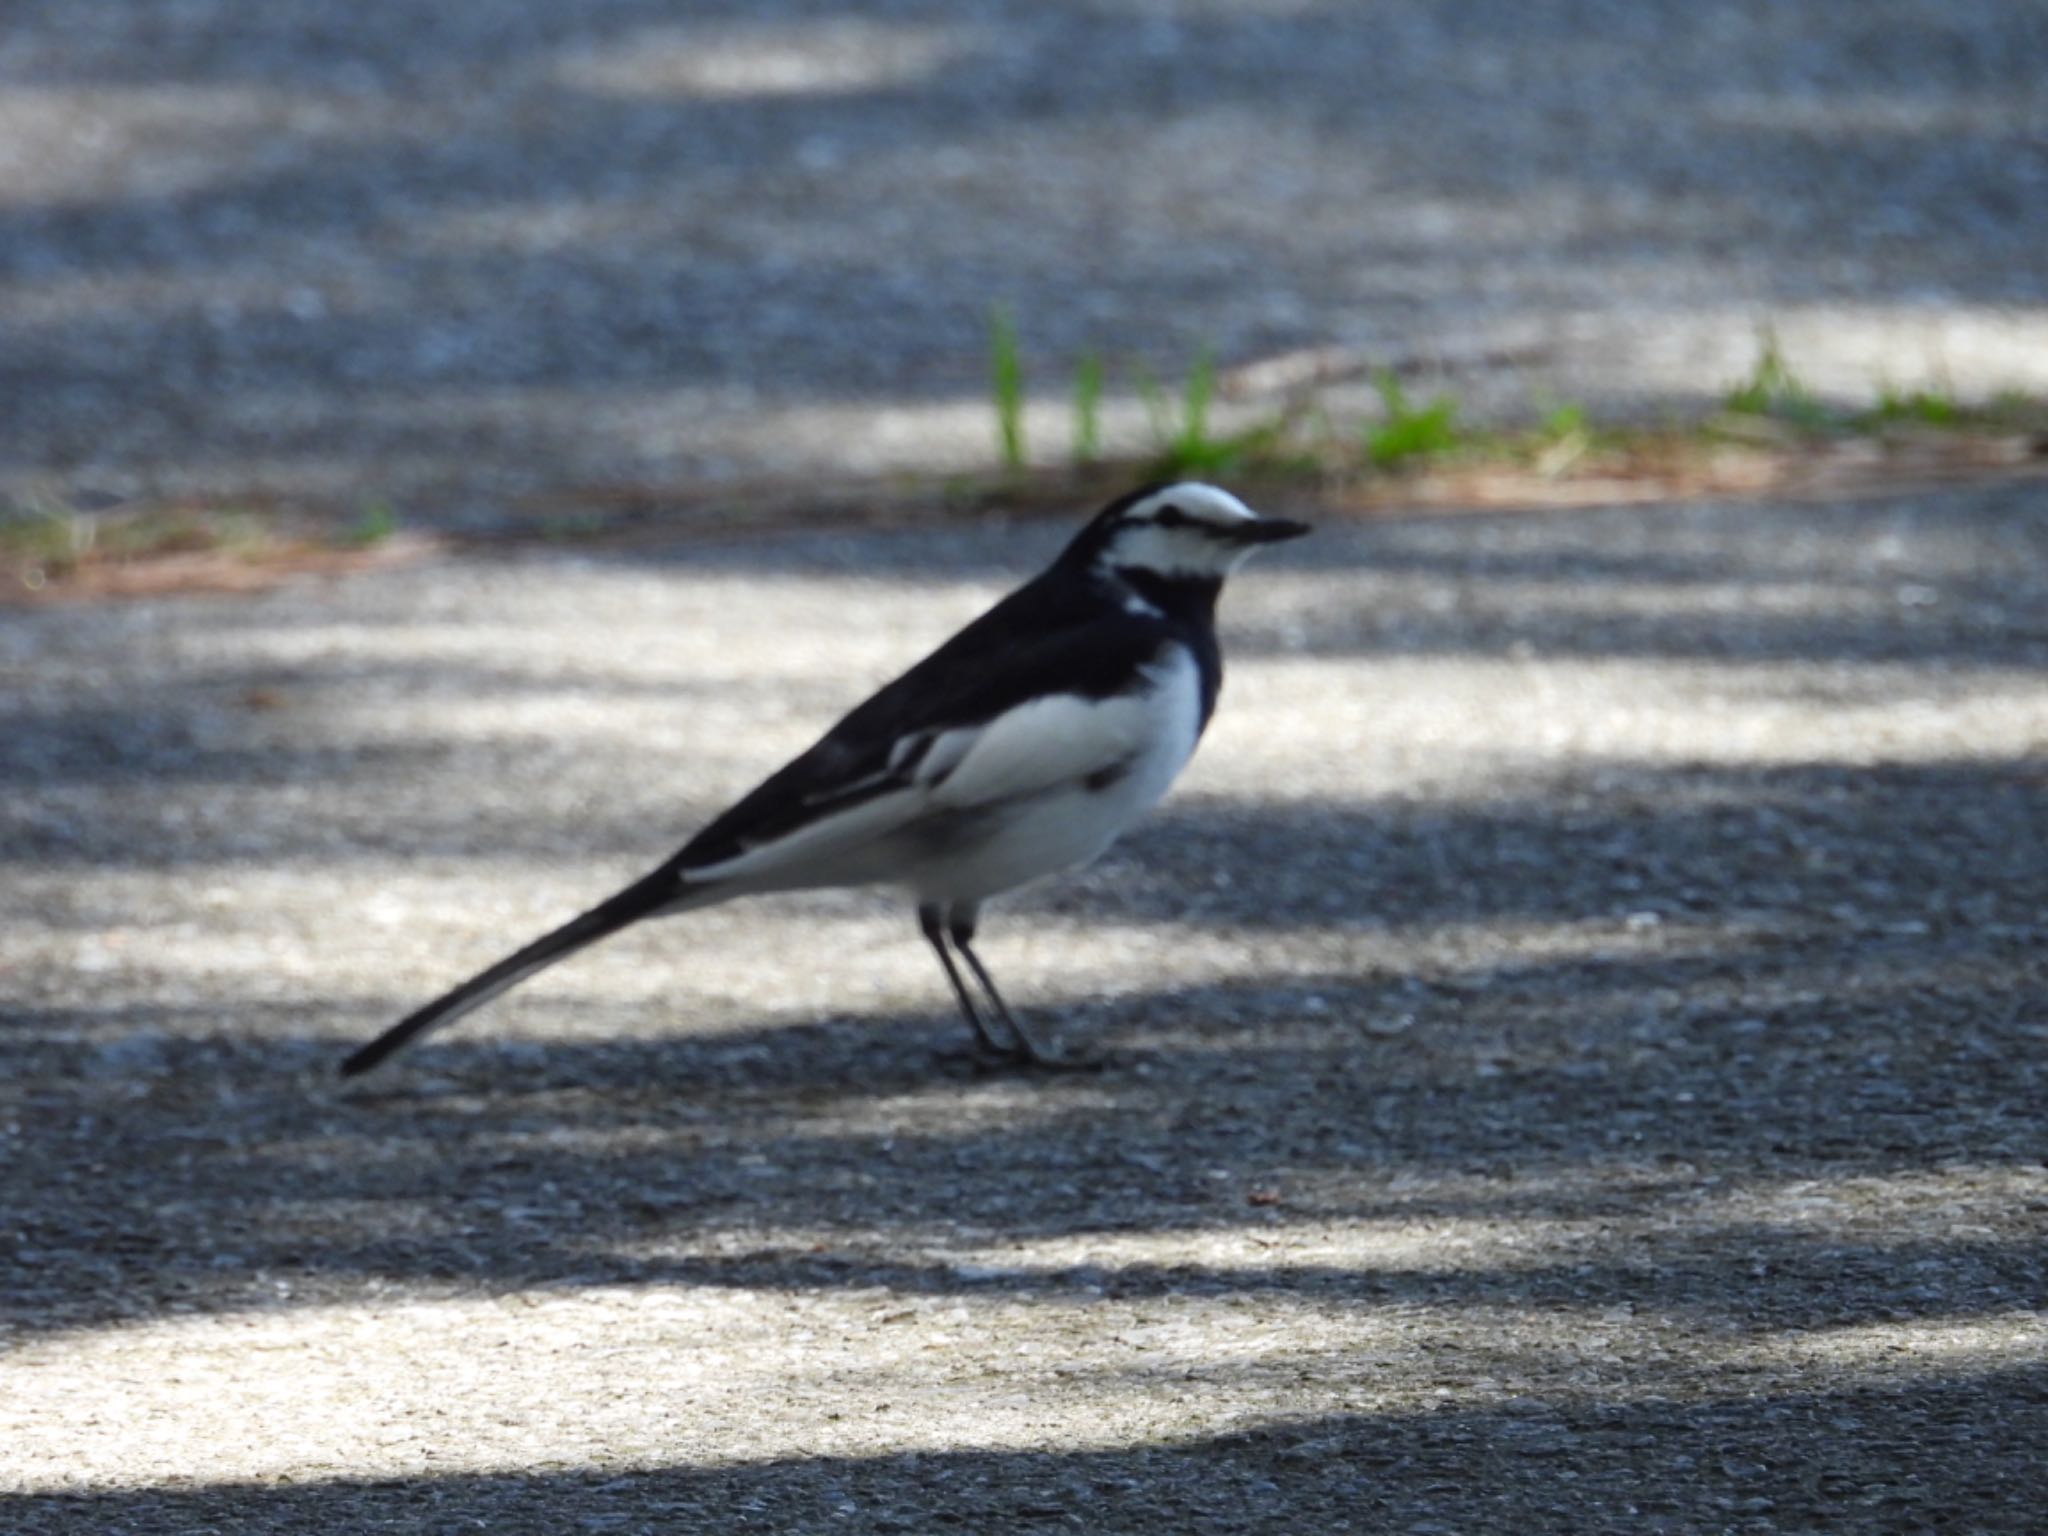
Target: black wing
{"x":1029,"y":644}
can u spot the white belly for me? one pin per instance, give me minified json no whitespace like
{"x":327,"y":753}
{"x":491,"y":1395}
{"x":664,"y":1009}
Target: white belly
{"x":1138,"y":746}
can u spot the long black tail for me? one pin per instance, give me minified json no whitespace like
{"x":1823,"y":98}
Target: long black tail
{"x":660,"y":891}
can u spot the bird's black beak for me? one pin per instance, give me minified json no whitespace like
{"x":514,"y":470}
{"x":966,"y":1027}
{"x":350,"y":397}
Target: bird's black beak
{"x":1269,"y":530}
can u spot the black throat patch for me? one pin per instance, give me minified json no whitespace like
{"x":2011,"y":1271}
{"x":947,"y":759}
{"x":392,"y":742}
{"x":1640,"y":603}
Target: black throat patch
{"x":1188,"y":605}
{"x":1190,"y":599}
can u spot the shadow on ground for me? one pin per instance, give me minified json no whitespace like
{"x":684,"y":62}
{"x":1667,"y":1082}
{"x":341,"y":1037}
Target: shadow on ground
{"x":1752,"y":1048}
{"x":1756,"y":998}
{"x":1828,"y":604}
{"x":1665,"y":1466}
{"x":1778,"y":972}
{"x":540,"y":251}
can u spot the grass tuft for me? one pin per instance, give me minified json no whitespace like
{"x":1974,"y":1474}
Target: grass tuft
{"x":1187,"y":447}
{"x":1561,"y":440}
{"x":375,"y":522}
{"x":1186,"y":442}
{"x":1773,"y":390}
{"x":1006,"y":378}
{"x":52,"y":544}
{"x":1772,"y":407}
{"x":1088,"y":378}
{"x":1408,"y":431}
{"x":1931,"y":408}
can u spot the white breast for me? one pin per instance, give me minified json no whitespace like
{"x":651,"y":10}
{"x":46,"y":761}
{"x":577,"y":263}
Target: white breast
{"x":1041,"y":788}
{"x":1052,"y":784}
{"x":1172,"y":716}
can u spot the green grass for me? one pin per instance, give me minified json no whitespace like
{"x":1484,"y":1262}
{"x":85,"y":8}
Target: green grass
{"x":1773,"y":390}
{"x":1088,"y":378}
{"x":1183,"y":430}
{"x":1562,"y":423}
{"x":1407,"y":431}
{"x":1187,"y":444}
{"x":44,"y":542}
{"x":52,"y":542}
{"x":375,"y":522}
{"x":1931,"y":408}
{"x":1006,"y":380}
{"x":1560,"y":440}
{"x":1297,"y":439}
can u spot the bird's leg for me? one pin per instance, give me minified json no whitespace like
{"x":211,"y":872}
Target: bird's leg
{"x":932,"y":921}
{"x":1026,"y":1049}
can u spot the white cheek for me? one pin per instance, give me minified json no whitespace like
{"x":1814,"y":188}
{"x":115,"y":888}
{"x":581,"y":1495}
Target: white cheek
{"x":1175,"y":554}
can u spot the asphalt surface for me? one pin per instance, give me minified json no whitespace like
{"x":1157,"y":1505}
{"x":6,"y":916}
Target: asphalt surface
{"x":511,"y":253}
{"x":1575,"y":1055}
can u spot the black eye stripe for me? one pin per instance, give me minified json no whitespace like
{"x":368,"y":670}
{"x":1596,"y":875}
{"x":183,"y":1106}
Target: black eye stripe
{"x":1172,"y":516}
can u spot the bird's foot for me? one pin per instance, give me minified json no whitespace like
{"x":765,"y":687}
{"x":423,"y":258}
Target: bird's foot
{"x":1035,"y":1059}
{"x":988,"y":1061}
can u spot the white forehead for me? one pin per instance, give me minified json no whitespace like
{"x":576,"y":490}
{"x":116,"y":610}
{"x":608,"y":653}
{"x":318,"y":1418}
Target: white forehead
{"x":1185,"y":545}
{"x":1204,"y":503}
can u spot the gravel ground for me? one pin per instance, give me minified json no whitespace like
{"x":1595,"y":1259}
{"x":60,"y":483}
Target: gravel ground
{"x":448,"y":256}
{"x":1575,"y":1055}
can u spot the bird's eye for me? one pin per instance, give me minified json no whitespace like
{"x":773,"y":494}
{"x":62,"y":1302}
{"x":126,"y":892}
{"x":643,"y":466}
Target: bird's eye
{"x":1170,"y":516}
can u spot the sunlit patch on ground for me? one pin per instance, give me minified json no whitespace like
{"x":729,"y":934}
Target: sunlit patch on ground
{"x":1581,"y":1014}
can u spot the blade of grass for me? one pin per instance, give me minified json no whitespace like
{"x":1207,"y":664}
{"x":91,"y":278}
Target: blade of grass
{"x":1088,"y":410}
{"x":1193,"y":441}
{"x":1406,"y":431}
{"x":1006,"y":377}
{"x":376,"y":520}
{"x":1773,"y":389}
{"x":1157,"y":411}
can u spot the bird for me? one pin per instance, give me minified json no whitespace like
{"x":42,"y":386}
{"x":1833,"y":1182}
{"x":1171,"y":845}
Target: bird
{"x":1020,"y":748}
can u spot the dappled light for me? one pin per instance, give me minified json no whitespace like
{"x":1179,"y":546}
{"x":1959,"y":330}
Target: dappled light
{"x":526,"y":253}
{"x":1587,"y":997}
{"x":1570,"y":1053}
{"x":813,"y":59}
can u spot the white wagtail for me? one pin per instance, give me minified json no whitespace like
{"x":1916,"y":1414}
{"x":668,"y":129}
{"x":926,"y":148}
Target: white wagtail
{"x":1022,"y":746}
